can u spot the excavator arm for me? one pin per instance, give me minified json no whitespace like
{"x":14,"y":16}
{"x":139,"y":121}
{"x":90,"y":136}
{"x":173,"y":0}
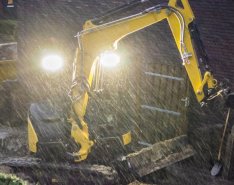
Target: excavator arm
{"x":47,"y":129}
{"x":98,"y":37}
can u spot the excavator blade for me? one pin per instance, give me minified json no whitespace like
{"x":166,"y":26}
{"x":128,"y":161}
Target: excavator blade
{"x":160,"y":155}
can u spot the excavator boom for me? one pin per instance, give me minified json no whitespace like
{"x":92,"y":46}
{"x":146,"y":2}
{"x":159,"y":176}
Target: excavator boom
{"x":95,"y":39}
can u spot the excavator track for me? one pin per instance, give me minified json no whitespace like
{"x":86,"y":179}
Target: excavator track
{"x":61,"y":173}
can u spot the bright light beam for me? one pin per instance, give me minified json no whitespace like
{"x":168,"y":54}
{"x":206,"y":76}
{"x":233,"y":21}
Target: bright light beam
{"x":52,"y":62}
{"x":109,"y":59}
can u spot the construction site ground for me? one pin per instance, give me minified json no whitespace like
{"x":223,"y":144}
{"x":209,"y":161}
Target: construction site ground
{"x":189,"y":172}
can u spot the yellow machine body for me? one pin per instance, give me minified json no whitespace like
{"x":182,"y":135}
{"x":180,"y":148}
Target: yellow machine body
{"x":33,"y":139}
{"x":96,"y":39}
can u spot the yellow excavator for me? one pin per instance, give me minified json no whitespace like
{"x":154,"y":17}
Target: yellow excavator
{"x":65,"y":141}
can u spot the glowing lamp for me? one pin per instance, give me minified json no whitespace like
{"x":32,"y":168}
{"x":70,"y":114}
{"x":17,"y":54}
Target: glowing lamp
{"x":109,"y":59}
{"x":52,"y":62}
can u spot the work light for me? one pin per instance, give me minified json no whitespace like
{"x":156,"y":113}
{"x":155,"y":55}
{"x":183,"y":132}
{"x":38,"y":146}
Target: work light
{"x":109,"y":59}
{"x":52,"y":62}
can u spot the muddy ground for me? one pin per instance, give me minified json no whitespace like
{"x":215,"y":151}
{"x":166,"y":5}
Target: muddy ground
{"x":187,"y":172}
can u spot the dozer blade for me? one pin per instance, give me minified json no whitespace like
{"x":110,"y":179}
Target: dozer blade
{"x":160,"y":155}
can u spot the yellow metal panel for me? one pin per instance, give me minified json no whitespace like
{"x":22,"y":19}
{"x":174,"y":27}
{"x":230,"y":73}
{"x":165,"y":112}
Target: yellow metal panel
{"x":32,"y":138}
{"x":127,"y":138}
{"x":81,"y":136}
{"x":191,"y":66}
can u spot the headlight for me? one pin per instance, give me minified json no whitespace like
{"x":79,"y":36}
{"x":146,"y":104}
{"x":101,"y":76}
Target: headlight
{"x":109,"y":59}
{"x":52,"y":62}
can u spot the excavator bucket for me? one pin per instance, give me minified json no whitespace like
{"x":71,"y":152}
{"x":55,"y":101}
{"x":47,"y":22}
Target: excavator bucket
{"x":160,"y":155}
